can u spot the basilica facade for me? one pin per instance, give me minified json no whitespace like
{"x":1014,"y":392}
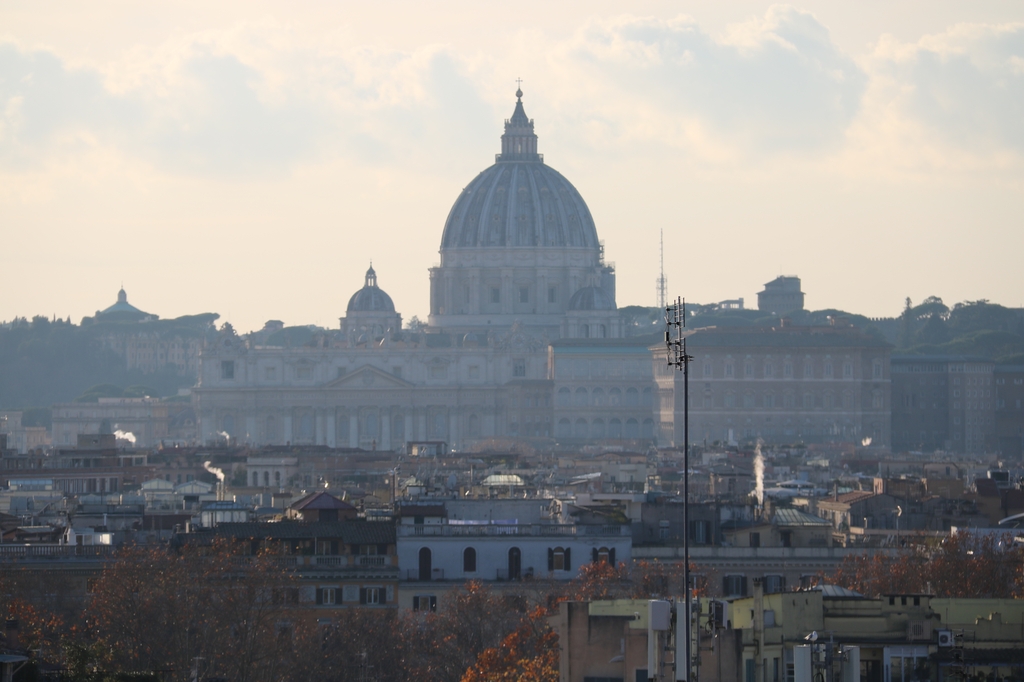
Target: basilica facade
{"x":524,"y":340}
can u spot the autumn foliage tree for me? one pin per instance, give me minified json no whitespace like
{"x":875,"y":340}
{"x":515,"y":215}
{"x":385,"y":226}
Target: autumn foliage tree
{"x":527,"y":654}
{"x":963,"y":565}
{"x":199,"y":607}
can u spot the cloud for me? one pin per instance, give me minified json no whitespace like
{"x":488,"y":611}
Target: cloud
{"x":216,"y":107}
{"x":768,"y":85}
{"x":965,"y":86}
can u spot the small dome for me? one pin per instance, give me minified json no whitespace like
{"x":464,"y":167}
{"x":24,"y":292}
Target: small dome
{"x":591,"y":298}
{"x":370,"y":298}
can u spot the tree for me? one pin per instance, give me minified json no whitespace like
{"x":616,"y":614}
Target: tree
{"x":528,"y":654}
{"x":154,"y":609}
{"x":964,"y":565}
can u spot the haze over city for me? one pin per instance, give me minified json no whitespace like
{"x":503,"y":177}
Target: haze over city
{"x":250,"y":159}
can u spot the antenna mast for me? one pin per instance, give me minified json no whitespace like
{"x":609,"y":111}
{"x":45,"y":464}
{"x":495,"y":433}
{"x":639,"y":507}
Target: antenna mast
{"x":662,"y":281}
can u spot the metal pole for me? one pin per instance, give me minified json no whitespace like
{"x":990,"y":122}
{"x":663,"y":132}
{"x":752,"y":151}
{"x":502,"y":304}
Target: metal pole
{"x":675,"y":346}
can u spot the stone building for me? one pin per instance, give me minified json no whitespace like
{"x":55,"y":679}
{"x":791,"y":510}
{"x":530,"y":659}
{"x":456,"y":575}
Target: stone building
{"x":783,"y":385}
{"x":944,"y":402}
{"x":524,"y":340}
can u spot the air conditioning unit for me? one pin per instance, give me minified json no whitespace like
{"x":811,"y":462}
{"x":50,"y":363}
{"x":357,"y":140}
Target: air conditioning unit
{"x":945,"y":638}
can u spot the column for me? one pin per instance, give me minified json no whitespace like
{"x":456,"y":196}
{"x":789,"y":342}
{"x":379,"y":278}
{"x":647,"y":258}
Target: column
{"x":353,"y":430}
{"x":332,"y":418}
{"x":250,"y":429}
{"x":385,"y":429}
{"x":409,"y":433}
{"x":288,"y":427}
{"x":453,"y":427}
{"x":318,"y":417}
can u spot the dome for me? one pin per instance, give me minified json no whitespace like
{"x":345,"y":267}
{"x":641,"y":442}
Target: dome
{"x":519,"y":201}
{"x":370,"y":298}
{"x":591,"y":298}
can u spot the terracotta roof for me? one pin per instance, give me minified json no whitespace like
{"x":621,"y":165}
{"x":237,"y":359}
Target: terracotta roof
{"x":321,"y":500}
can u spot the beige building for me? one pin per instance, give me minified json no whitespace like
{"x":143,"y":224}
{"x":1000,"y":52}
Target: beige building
{"x":146,"y":420}
{"x":525,"y":341}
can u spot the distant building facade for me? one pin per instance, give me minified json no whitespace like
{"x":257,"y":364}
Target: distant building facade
{"x":944,"y":403}
{"x":780,"y":296}
{"x":781,"y":385}
{"x":1009,"y":396}
{"x":525,"y":341}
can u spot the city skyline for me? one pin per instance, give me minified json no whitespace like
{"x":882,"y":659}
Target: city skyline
{"x":251,"y":163}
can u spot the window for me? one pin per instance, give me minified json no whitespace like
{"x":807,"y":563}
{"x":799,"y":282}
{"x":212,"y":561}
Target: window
{"x":755,"y":539}
{"x":495,"y":295}
{"x":877,"y":370}
{"x":424,"y":602}
{"x":604,"y":555}
{"x":227,"y":369}
{"x":371,"y":595}
{"x":787,"y":370}
{"x":768,"y":370}
{"x":303,"y":372}
{"x":828,"y":370}
{"x":734,"y":585}
{"x":582,"y":398}
{"x":728,"y":369}
{"x":848,"y":370}
{"x":774,"y":583}
{"x":519,"y":367}
{"x":748,"y":370}
{"x":326,"y":595}
{"x":552,"y":294}
{"x":558,"y":559}
{"x":469,"y":560}
{"x":524,"y":294}
{"x":270,"y":373}
{"x":707,"y":369}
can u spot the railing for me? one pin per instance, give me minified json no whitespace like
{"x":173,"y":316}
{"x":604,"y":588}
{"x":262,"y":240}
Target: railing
{"x":498,"y":529}
{"x":375,"y":560}
{"x":9,"y":552}
{"x":413,"y":575}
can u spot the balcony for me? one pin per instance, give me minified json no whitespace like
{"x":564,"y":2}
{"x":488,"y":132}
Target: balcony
{"x":499,"y":529}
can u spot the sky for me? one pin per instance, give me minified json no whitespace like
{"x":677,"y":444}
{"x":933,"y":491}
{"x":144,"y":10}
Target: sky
{"x":251,"y":158}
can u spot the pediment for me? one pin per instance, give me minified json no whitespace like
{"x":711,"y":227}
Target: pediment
{"x":368,"y":377}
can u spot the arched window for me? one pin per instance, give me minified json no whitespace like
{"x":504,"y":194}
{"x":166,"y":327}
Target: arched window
{"x":632,"y":428}
{"x":614,"y":396}
{"x":615,"y":428}
{"x":603,"y":332}
{"x":632,"y":397}
{"x":582,"y":397}
{"x":597,"y":396}
{"x":604,"y":555}
{"x":564,"y":428}
{"x":564,"y":396}
{"x":597,"y":428}
{"x":469,"y":560}
{"x":585,"y":331}
{"x":580,"y":430}
{"x":648,"y":399}
{"x":515,"y":563}
{"x":426,"y":564}
{"x":255,"y":479}
{"x":266,"y":478}
{"x":559,"y":559}
{"x":648,"y":428}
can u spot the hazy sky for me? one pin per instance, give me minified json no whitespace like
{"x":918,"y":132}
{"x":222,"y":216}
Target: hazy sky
{"x":250,"y":158}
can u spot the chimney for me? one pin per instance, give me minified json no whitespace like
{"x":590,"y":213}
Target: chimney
{"x":11,"y":634}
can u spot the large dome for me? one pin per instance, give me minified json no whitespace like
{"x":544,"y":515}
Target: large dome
{"x":519,"y":201}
